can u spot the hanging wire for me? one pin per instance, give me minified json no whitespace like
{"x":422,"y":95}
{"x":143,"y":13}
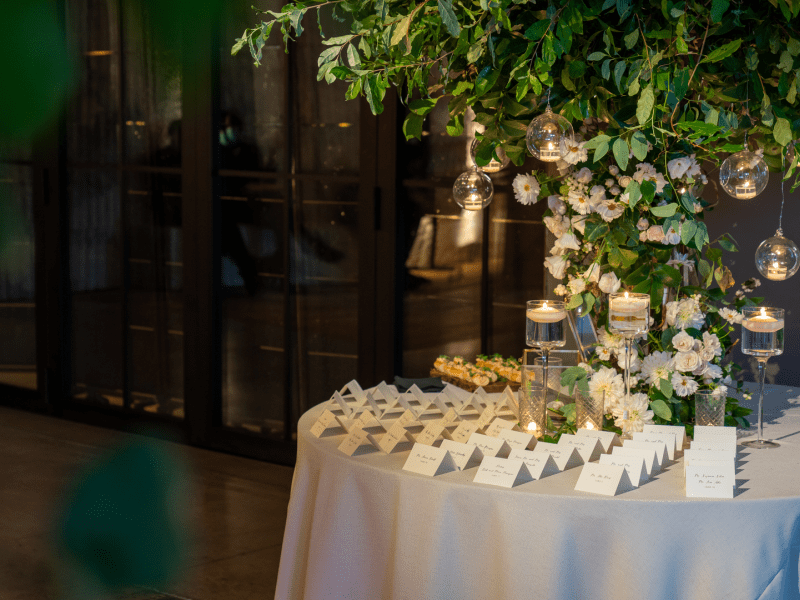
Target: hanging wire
{"x":747,"y":110}
{"x":783,"y":195}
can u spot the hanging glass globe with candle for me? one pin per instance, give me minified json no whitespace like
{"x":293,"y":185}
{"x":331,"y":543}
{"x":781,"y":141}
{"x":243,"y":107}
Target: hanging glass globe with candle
{"x":473,"y":189}
{"x":777,"y":258}
{"x":494,"y":165}
{"x":545,"y":133}
{"x":744,"y":175}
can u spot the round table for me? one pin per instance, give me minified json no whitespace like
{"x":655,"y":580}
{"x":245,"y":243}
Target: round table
{"x":361,"y":528}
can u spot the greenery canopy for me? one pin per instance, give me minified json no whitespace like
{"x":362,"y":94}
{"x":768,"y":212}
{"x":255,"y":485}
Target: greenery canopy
{"x":692,"y":77}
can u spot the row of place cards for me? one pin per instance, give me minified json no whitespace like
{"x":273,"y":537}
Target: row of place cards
{"x":710,"y":463}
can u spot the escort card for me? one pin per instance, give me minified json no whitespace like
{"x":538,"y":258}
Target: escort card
{"x":589,"y":448}
{"x":659,"y":449}
{"x":337,"y":397}
{"x":430,"y":461}
{"x":565,"y":457}
{"x":451,"y":392}
{"x":356,"y":438}
{"x":406,"y":406}
{"x":678,"y":430}
{"x":431,"y":433}
{"x":607,"y":438}
{"x":465,"y":456}
{"x":440,"y":403}
{"x":418,"y":395}
{"x":670,"y":441}
{"x":372,"y":403}
{"x":540,"y":464}
{"x":486,"y":417}
{"x":726,"y":465}
{"x":397,"y":433}
{"x":507,"y":403}
{"x":325,"y":420}
{"x":450,"y":417}
{"x":608,"y":480}
{"x":648,"y":454}
{"x":489,"y":446}
{"x":356,"y":392}
{"x":476,"y":404}
{"x":517,"y":439}
{"x":719,"y":446}
{"x":704,"y":433}
{"x":463,"y":432}
{"x":634,"y":466}
{"x":502,"y":471}
{"x":481,"y":393}
{"x":694,"y":454}
{"x":708,"y":482}
{"x":498,"y":425}
{"x":389,"y":395}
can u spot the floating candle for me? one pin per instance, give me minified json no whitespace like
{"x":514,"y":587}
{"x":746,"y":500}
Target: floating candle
{"x":763,"y":323}
{"x":546,"y":314}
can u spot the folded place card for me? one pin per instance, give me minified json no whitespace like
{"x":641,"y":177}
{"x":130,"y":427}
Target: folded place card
{"x":397,"y":433}
{"x":342,"y":404}
{"x":589,"y":448}
{"x":708,"y":482}
{"x":356,"y":392}
{"x":507,"y":403}
{"x":565,"y":457}
{"x":489,"y":446}
{"x":431,"y":433}
{"x":451,"y":393}
{"x":389,"y":395}
{"x":607,"y":438}
{"x":482,"y":394}
{"x":476,"y":404}
{"x":502,"y":471}
{"x":648,"y":454}
{"x":406,"y":406}
{"x":498,"y":425}
{"x":325,"y":420}
{"x":439,"y":401}
{"x":704,"y":433}
{"x":430,"y":461}
{"x":608,"y":480}
{"x":373,"y":405}
{"x":659,"y":450}
{"x":670,"y":441}
{"x":450,"y":417}
{"x":726,"y":465}
{"x":518,"y":439}
{"x":540,"y":464}
{"x":720,"y":446}
{"x":463,"y":432}
{"x":634,"y":466}
{"x":355,"y":438}
{"x":465,"y":456}
{"x":678,"y":430}
{"x":485,"y":417}
{"x":694,"y":454}
{"x":418,"y":395}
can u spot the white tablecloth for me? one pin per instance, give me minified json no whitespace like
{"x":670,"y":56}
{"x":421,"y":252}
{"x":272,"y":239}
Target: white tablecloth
{"x":360,"y":528}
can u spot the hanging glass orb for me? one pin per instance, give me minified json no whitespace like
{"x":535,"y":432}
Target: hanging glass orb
{"x":473,"y":190}
{"x":777,"y":258}
{"x":494,"y":165}
{"x":545,"y":133}
{"x":744,"y":175}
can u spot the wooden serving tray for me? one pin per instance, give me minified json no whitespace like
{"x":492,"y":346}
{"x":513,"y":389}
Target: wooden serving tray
{"x":497,"y":386}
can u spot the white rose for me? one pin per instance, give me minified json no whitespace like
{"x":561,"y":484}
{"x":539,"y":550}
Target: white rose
{"x":613,"y":169}
{"x":576,"y":286}
{"x":557,"y":265}
{"x":655,"y":233}
{"x":614,"y":191}
{"x":609,"y":283}
{"x":583,"y":176}
{"x":568,"y":241}
{"x":678,"y":167}
{"x":609,"y":183}
{"x":555,"y":204}
{"x":686,"y":361}
{"x":557,"y":225}
{"x":592,"y":273}
{"x":642,"y":236}
{"x":624,"y":181}
{"x":579,"y":223}
{"x":642,"y":224}
{"x":683,"y":342}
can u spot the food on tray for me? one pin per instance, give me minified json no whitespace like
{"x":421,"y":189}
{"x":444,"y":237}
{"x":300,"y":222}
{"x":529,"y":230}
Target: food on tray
{"x":483,"y":372}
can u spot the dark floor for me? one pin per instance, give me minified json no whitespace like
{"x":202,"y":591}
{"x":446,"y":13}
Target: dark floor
{"x":239,"y":513}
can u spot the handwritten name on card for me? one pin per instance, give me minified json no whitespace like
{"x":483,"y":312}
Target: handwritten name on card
{"x":726,"y":465}
{"x":354,"y":439}
{"x":503,"y":472}
{"x":465,"y":456}
{"x":608,"y":480}
{"x":634,"y":466}
{"x":669,"y":440}
{"x":705,"y":433}
{"x":708,"y":482}
{"x":325,"y":420}
{"x":430,"y":461}
{"x":659,"y":451}
{"x":589,"y":448}
{"x":566,"y":457}
{"x":463,"y":432}
{"x":608,"y":439}
{"x":648,"y":454}
{"x":540,"y":465}
{"x":678,"y":430}
{"x":489,"y":446}
{"x":451,"y":416}
{"x":498,"y":425}
{"x":431,"y":433}
{"x":718,"y":446}
{"x":517,"y":439}
{"x":397,"y":433}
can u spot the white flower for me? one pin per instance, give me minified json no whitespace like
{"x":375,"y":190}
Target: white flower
{"x":632,"y":413}
{"x":681,"y":260}
{"x":678,"y":167}
{"x":576,"y":286}
{"x":731,"y":316}
{"x":610,"y":210}
{"x":557,"y":265}
{"x":712,"y":373}
{"x":592,"y":274}
{"x":642,"y":236}
{"x":572,"y":151}
{"x":635,"y":362}
{"x":609,"y":283}
{"x":657,"y":366}
{"x":607,"y":380}
{"x":655,"y":233}
{"x":613,"y":169}
{"x":720,"y":391}
{"x":646,"y":172}
{"x":609,"y":183}
{"x":589,"y":370}
{"x":642,"y":224}
{"x":579,"y":223}
{"x":611,"y":340}
{"x":583,"y":176}
{"x":526,"y":189}
{"x":561,"y":290}
{"x":603,"y":353}
{"x":579,"y":201}
{"x":557,"y":225}
{"x":683,"y":342}
{"x":686,"y":361}
{"x":684,"y":385}
{"x":615,"y":191}
{"x":555,"y":204}
{"x":685,"y":314}
{"x":568,"y":241}
{"x":711,"y":341}
{"x":700,"y":369}
{"x":671,"y":237}
{"x":625,"y":180}
{"x":564,"y":168}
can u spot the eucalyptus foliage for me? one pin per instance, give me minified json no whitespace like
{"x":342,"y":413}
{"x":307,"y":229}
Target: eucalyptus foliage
{"x":691,"y":77}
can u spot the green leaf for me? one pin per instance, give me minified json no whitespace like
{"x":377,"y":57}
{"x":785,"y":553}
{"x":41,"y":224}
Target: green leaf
{"x":718,"y":8}
{"x":634,"y":193}
{"x":593,"y":56}
{"x":751,"y":59}
{"x":639,"y":145}
{"x":664,"y":211}
{"x":688,"y":230}
{"x":621,"y":152}
{"x":786,"y":61}
{"x":661,"y":408}
{"x":619,"y":71}
{"x":594,"y":231}
{"x":600,"y":151}
{"x":727,"y":245}
{"x":605,"y":71}
{"x":631,"y":38}
{"x":722,"y":52}
{"x":412,"y":126}
{"x":538,"y":29}
{"x":793,"y":47}
{"x":596,"y":141}
{"x":449,"y":17}
{"x":782,"y":131}
{"x":401,"y":30}
{"x":352,"y":57}
{"x":644,"y":108}
{"x":574,"y":302}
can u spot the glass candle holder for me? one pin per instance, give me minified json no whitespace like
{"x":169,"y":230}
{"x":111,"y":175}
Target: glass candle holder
{"x":533,"y":400}
{"x":628,"y":315}
{"x":762,"y":337}
{"x":544,"y":324}
{"x":588,"y":411}
{"x":709,"y":408}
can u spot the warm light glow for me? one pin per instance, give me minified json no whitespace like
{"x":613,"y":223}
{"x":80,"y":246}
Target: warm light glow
{"x":545,"y":305}
{"x":626,"y":295}
{"x":763,"y":312}
{"x":549,"y":145}
{"x":589,"y":425}
{"x":531,"y":426}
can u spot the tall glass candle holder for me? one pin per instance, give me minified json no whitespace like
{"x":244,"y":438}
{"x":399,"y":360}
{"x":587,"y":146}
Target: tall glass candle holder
{"x":544,"y":329}
{"x":762,"y":337}
{"x":533,"y":395}
{"x":589,"y":410}
{"x":628,"y":315}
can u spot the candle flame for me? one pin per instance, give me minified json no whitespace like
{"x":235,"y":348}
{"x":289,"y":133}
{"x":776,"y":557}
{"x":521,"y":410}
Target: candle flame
{"x":531,"y":426}
{"x":626,"y":295}
{"x":589,"y":425}
{"x":775,"y":264}
{"x":763,"y":312}
{"x":545,"y":305}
